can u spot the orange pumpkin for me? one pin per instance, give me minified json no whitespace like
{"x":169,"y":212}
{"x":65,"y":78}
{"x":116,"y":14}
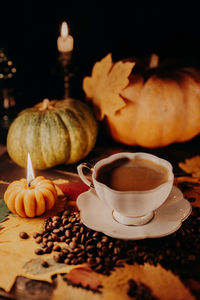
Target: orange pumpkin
{"x":33,"y":200}
{"x":152,"y":108}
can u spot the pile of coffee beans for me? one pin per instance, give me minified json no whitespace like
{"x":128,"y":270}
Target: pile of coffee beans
{"x":178,"y":252}
{"x":187,"y":186}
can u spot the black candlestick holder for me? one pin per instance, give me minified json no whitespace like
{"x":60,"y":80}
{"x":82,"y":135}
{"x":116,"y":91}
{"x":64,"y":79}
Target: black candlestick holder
{"x":65,"y":60}
{"x":64,"y":80}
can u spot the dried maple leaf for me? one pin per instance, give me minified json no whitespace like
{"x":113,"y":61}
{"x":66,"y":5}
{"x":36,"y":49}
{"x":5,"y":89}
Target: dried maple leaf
{"x":69,"y":292}
{"x":104,"y":86}
{"x":85,"y":277}
{"x":191,"y":166}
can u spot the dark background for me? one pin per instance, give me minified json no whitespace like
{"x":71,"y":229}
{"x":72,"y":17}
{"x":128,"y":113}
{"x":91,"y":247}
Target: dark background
{"x":29,"y":31}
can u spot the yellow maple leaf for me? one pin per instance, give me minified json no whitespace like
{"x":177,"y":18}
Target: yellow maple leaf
{"x":108,"y":79}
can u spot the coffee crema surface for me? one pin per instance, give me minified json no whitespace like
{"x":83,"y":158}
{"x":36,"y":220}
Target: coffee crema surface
{"x":137,"y":174}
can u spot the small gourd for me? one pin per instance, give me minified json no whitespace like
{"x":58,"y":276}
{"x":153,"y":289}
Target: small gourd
{"x":30,"y":199}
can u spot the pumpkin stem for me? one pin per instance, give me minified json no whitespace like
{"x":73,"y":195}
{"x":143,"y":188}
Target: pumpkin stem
{"x":154,"y":61}
{"x":45,"y":105}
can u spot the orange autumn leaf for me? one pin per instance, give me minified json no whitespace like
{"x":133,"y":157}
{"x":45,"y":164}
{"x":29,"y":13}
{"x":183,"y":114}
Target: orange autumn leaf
{"x":85,"y":277}
{"x":191,"y":166}
{"x":104,"y":86}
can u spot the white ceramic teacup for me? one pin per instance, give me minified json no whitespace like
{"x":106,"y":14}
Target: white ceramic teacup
{"x":130,"y":207}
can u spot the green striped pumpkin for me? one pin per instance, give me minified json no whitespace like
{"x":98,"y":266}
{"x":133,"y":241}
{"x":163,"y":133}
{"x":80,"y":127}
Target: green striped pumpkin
{"x":53,"y":132}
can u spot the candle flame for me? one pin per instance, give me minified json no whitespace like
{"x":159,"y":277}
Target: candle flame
{"x":30,"y":173}
{"x":64,"y":30}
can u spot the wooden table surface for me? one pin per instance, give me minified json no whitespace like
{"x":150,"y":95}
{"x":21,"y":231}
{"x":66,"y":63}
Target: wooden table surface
{"x":9,"y":171}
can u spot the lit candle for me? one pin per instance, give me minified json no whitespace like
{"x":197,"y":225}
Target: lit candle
{"x":32,"y":196}
{"x":65,"y":42}
{"x":30,"y":174}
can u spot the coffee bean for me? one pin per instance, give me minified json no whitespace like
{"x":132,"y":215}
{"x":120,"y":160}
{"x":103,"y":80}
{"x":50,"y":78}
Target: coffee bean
{"x":79,"y":254}
{"x":91,"y":261}
{"x":62,"y":238}
{"x":46,"y":235}
{"x":68,"y":233}
{"x":105,"y":239}
{"x":39,"y":251}
{"x":65,"y":221}
{"x":58,"y":257}
{"x":89,"y":241}
{"x":80,"y":260}
{"x":99,"y":245}
{"x":57,"y":248}
{"x":88,"y":234}
{"x":47,"y":220}
{"x":48,"y":227}
{"x":67,"y":241}
{"x":45,"y":240}
{"x":90,"y":249}
{"x":90,"y":254}
{"x":67,"y":261}
{"x":70,"y":255}
{"x":117,"y":250}
{"x":74,"y":261}
{"x":43,"y":245}
{"x":66,"y":213}
{"x":75,"y":239}
{"x":65,"y":251}
{"x":95,"y":234}
{"x":50,"y":244}
{"x":56,"y":231}
{"x":72,"y":245}
{"x":41,"y":232}
{"x":75,"y":229}
{"x":78,"y":234}
{"x":120,"y":263}
{"x":55,"y":219}
{"x":48,"y":250}
{"x":45,"y":264}
{"x":82,"y":238}
{"x":68,"y":226}
{"x":71,"y":219}
{"x":23,"y":235}
{"x":98,"y":268}
{"x":110,"y":245}
{"x":54,"y":237}
{"x":35,"y":235}
{"x":77,"y":250}
{"x":38,"y":239}
{"x":61,"y":228}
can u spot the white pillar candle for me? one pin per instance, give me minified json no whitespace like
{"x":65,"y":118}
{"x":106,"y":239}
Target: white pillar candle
{"x":65,"y":42}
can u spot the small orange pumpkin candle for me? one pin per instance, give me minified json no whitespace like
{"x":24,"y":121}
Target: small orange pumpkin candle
{"x":32,"y":196}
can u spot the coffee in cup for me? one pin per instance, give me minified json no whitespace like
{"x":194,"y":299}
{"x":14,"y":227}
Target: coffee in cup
{"x":134,"y":185}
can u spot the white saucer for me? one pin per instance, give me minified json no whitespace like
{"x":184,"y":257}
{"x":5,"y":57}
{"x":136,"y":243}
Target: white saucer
{"x":167,"y":218}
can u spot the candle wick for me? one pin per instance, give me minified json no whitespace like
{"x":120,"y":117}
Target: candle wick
{"x":29,"y":183}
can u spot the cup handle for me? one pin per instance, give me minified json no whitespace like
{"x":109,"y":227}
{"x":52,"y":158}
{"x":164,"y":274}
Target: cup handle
{"x":81,"y":174}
